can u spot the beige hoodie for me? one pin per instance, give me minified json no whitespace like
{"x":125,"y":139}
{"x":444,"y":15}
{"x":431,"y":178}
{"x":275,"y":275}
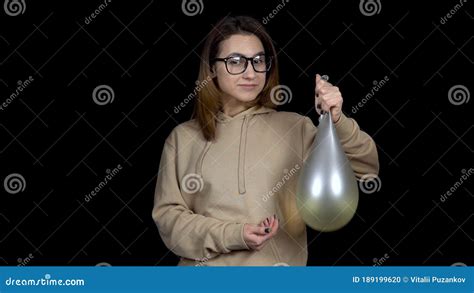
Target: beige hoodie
{"x":207,"y":191}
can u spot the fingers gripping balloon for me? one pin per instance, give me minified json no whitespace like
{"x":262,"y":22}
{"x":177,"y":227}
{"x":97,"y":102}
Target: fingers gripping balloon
{"x":327,"y":193}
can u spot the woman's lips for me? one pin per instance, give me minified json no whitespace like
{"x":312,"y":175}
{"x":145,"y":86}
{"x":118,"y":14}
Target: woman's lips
{"x":248,"y":86}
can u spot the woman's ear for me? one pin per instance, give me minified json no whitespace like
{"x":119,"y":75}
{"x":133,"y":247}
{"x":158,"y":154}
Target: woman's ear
{"x":213,"y":71}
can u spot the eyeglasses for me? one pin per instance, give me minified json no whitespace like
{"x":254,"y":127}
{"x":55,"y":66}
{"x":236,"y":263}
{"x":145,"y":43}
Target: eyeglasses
{"x":237,"y":64}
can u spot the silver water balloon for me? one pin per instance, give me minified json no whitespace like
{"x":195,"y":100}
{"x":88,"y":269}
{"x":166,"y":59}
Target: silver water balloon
{"x":327,"y":193}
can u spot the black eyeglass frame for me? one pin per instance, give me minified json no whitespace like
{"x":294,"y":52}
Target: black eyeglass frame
{"x":247,"y":59}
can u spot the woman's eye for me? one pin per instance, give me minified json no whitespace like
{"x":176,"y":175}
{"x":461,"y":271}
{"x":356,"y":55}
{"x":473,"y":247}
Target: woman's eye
{"x":258,"y":60}
{"x":235,"y":61}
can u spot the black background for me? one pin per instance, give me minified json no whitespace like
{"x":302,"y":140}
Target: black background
{"x":62,"y":143}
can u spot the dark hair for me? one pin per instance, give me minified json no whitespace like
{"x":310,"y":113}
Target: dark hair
{"x":208,"y":101}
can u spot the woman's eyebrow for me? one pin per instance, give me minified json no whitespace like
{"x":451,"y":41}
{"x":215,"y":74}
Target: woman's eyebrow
{"x":240,"y":54}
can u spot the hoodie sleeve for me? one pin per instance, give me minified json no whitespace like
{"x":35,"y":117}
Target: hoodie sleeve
{"x":359,"y":146}
{"x":185,"y":233}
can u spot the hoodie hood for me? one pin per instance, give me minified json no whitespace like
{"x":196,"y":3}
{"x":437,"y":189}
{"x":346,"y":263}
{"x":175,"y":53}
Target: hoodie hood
{"x":243,"y":117}
{"x":255,"y":110}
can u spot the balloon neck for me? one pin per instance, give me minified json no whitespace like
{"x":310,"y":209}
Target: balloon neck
{"x":325,"y":115}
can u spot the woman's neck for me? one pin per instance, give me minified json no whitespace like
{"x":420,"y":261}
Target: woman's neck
{"x":233,"y":107}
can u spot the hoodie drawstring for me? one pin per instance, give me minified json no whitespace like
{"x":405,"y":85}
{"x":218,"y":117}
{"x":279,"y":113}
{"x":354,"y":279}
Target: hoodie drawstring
{"x":242,"y":147}
{"x":201,"y":158}
{"x":242,"y":150}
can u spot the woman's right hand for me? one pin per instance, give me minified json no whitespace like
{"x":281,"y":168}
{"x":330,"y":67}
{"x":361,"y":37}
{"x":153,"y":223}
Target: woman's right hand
{"x":256,"y":236}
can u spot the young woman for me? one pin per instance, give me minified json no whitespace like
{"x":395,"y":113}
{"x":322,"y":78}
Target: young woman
{"x":225,"y":192}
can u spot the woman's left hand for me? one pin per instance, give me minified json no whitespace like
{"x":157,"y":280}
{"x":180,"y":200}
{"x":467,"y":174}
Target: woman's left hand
{"x":328,"y":98}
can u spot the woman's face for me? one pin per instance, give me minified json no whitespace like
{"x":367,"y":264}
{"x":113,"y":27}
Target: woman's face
{"x":243,"y":87}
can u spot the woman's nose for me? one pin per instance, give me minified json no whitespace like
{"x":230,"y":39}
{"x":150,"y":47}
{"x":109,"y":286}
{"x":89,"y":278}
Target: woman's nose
{"x":249,"y":71}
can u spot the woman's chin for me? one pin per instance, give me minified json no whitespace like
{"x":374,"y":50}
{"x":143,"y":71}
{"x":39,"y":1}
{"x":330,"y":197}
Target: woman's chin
{"x":246,"y":98}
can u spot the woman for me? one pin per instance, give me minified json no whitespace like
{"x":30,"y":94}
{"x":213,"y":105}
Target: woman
{"x":225,"y":193}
